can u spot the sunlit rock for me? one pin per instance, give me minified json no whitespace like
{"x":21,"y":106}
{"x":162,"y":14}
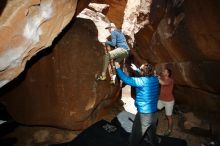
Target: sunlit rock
{"x":100,"y":20}
{"x":136,"y":16}
{"x":98,"y":7}
{"x":27,"y":27}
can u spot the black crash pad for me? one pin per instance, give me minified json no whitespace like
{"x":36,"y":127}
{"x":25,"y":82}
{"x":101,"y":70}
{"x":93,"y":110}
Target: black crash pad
{"x":115,"y":133}
{"x":101,"y":133}
{"x":170,"y":141}
{"x":125,"y":120}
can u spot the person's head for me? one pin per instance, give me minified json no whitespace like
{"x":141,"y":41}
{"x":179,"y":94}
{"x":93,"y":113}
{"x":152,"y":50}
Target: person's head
{"x":111,"y":27}
{"x":146,"y":69}
{"x":167,"y":72}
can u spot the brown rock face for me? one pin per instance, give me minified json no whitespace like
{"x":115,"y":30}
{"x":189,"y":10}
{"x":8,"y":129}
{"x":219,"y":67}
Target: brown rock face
{"x":26,"y":27}
{"x":183,"y":35}
{"x":115,"y":12}
{"x":59,"y":88}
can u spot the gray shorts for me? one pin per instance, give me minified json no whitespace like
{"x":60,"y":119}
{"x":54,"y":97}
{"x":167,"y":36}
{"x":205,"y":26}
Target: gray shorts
{"x":168,"y":105}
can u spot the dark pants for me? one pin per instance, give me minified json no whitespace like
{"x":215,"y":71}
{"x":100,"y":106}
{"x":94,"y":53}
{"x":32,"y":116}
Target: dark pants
{"x":144,"y":124}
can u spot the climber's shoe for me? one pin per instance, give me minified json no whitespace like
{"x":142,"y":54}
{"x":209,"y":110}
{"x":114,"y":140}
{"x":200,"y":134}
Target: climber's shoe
{"x":101,"y":78}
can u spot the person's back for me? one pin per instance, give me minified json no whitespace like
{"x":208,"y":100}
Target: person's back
{"x":118,"y":40}
{"x":147,"y":91}
{"x":147,"y":95}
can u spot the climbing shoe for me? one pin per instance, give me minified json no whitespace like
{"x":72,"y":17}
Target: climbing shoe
{"x":101,"y":78}
{"x":167,"y":133}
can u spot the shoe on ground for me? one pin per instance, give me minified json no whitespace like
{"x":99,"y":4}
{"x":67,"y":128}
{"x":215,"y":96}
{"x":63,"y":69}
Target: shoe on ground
{"x":101,"y":78}
{"x":167,"y":133}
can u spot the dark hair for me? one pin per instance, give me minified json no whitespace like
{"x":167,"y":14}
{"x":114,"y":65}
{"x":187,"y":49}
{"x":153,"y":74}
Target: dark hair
{"x":169,"y":72}
{"x":147,"y":69}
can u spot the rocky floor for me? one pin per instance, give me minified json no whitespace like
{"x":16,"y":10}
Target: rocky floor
{"x":43,"y":136}
{"x":192,"y":140}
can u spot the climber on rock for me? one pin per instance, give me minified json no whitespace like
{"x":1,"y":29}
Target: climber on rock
{"x":121,"y":51}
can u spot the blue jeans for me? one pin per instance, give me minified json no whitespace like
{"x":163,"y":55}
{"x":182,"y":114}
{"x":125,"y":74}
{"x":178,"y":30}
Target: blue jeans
{"x":141,"y":124}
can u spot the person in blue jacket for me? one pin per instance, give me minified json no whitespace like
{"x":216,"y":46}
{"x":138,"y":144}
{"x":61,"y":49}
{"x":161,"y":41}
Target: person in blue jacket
{"x":121,"y":51}
{"x":147,"y":92}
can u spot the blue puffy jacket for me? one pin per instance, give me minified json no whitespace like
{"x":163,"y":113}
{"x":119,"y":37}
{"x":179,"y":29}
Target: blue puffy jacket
{"x":118,"y":40}
{"x":147,"y":91}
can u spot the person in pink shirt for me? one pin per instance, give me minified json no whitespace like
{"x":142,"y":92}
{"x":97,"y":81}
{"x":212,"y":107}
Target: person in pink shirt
{"x":166,"y":98}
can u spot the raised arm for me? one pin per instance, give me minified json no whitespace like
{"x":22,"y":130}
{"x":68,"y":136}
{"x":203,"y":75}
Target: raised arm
{"x":132,"y":81}
{"x":164,"y":82}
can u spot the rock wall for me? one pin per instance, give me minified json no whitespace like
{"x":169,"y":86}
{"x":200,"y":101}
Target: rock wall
{"x":58,"y":87}
{"x":115,"y":12}
{"x":29,"y":27}
{"x":34,"y":30}
{"x":183,"y":35}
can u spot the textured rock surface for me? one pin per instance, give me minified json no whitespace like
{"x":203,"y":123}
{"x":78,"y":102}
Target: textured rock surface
{"x":29,"y":27}
{"x":115,"y":12}
{"x":136,"y":17}
{"x":59,"y":89}
{"x":59,"y":82}
{"x":100,"y":20}
{"x":183,"y":35}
